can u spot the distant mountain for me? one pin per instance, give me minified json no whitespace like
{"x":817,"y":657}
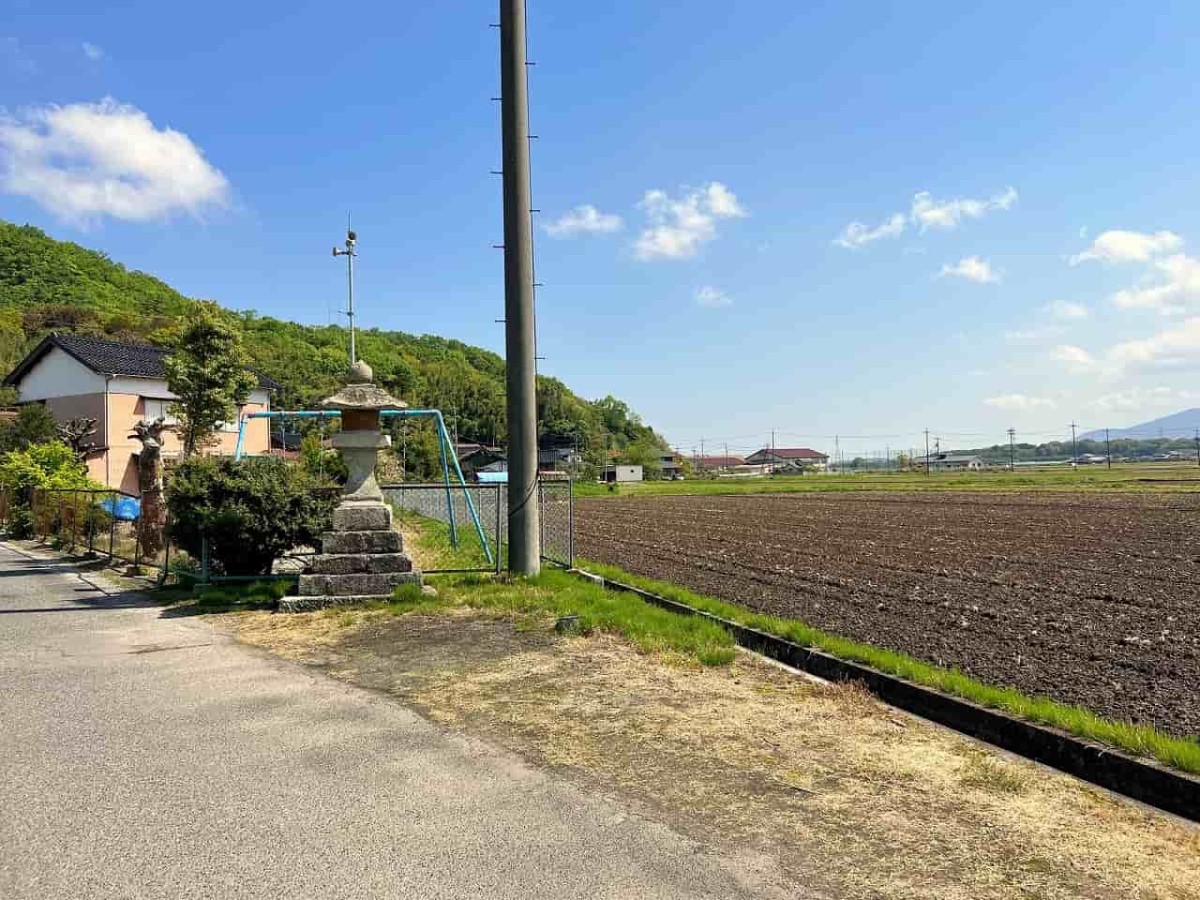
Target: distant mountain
{"x":1177,"y":425}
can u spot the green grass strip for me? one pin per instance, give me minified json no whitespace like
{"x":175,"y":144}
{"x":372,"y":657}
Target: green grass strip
{"x":1097,"y":479}
{"x":555,"y":594}
{"x":1142,"y":740}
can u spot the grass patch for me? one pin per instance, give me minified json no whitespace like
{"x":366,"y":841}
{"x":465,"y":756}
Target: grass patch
{"x":263,"y":594}
{"x":554,"y":594}
{"x":428,"y":541}
{"x":1142,"y":740}
{"x":982,"y":771}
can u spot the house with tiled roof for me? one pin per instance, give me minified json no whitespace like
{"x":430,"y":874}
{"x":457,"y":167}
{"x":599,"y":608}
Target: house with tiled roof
{"x":788,"y":457}
{"x":118,"y":384}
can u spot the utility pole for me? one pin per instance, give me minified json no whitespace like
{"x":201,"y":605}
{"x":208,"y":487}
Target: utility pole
{"x":1074,"y":452}
{"x":926,"y":451}
{"x":703,"y":458}
{"x":1108,"y":448}
{"x":524,"y":532}
{"x":1198,"y":446}
{"x":350,"y":252}
{"x":1012,"y":450}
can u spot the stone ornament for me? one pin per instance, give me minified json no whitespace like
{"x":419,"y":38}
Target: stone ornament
{"x":363,"y":557}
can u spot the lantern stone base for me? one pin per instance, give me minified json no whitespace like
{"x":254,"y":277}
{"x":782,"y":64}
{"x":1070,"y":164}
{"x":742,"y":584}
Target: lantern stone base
{"x":362,"y":559}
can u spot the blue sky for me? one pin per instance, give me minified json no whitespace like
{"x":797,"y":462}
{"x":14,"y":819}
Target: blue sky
{"x":1022,"y":179}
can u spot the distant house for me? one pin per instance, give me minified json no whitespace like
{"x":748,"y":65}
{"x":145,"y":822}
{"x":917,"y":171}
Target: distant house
{"x":119,"y":384}
{"x":718,"y":462}
{"x":790,"y":457}
{"x":951,"y":462}
{"x":672,"y":466}
{"x":556,"y":459}
{"x":474,"y":458}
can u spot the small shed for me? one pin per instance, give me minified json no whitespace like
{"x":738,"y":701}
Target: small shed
{"x":621,"y":474}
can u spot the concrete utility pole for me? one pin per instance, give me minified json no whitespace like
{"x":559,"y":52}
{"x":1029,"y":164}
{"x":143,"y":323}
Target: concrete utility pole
{"x":1012,"y":450}
{"x":350,"y":252}
{"x":1108,"y":448}
{"x":524,"y":532}
{"x":926,"y":451}
{"x":1074,"y":452}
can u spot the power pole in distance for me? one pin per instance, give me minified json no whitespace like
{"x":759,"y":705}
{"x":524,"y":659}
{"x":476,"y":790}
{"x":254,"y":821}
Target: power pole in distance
{"x":1198,"y":446}
{"x":926,"y":451}
{"x":350,"y":252}
{"x":524,"y":533}
{"x":1074,"y":452}
{"x":1108,"y":448}
{"x":1012,"y":450}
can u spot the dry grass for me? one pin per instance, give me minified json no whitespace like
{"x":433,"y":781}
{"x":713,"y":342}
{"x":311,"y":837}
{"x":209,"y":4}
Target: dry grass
{"x":839,"y":791}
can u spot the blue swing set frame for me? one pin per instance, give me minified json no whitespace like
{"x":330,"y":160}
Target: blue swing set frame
{"x":448,"y":455}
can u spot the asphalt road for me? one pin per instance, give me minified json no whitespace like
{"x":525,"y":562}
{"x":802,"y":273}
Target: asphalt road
{"x":149,"y":756}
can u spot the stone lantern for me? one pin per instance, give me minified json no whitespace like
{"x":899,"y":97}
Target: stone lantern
{"x":363,"y":557}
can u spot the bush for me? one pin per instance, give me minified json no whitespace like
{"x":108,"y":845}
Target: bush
{"x":49,"y":465}
{"x":251,"y":511}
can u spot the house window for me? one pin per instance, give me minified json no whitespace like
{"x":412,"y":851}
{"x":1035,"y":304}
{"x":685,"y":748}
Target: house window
{"x":158,"y":409}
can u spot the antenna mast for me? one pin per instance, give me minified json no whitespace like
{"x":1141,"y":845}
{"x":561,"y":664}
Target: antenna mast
{"x":350,"y":252}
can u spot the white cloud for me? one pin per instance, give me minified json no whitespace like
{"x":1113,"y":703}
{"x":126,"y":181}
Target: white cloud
{"x":1171,"y":346}
{"x":1029,"y":335}
{"x":93,"y":51}
{"x":856,"y":234}
{"x":1073,"y":356}
{"x":1181,"y":284}
{"x":1067,"y":310}
{"x":712,"y":298}
{"x":947,"y":214}
{"x":584,"y":219}
{"x":1138,"y":398}
{"x":678,"y":226}
{"x":926,"y":213}
{"x":1128,"y":246}
{"x":88,"y":160}
{"x":971,"y":268}
{"x":1019,"y":402}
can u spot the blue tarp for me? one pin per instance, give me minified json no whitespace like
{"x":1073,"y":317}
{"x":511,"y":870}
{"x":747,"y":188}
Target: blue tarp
{"x":492,"y":477}
{"x":125,"y":509}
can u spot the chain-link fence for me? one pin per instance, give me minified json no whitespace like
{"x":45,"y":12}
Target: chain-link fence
{"x":556,"y":501}
{"x":452,"y":528}
{"x":442,"y":535}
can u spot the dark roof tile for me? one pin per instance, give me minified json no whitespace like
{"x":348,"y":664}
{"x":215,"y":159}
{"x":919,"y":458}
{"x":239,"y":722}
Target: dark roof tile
{"x":109,"y":358}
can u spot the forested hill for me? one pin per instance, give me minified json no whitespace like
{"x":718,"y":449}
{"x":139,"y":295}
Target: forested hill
{"x":48,"y":285}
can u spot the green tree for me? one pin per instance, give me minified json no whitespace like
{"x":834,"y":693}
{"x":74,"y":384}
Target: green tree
{"x":250,"y":512}
{"x":50,"y":465}
{"x":33,"y":425}
{"x":207,"y":373}
{"x":647,"y":454}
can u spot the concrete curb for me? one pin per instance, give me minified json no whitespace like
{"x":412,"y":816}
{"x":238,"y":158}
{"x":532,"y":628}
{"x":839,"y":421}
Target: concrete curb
{"x":1140,"y":779}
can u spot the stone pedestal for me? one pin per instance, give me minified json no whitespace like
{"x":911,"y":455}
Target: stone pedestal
{"x":362,"y":558}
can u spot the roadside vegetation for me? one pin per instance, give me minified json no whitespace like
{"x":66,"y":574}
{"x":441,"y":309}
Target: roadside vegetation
{"x":1142,"y":740}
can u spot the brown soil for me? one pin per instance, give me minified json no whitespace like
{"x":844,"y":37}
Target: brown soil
{"x":822,"y":787}
{"x":1088,"y":599}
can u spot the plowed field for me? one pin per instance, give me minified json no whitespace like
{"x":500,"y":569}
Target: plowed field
{"x":1090,"y":599}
